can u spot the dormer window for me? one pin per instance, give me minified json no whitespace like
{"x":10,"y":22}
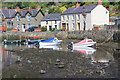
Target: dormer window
{"x":28,"y":17}
{"x":18,"y":18}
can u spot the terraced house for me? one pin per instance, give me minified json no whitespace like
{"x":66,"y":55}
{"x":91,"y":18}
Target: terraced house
{"x":51,"y":21}
{"x":22,"y":18}
{"x":84,"y":17}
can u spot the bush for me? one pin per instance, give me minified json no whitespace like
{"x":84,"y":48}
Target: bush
{"x":9,"y":29}
{"x":43,"y":28}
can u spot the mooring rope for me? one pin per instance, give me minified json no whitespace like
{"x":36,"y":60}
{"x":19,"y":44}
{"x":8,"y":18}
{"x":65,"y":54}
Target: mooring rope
{"x":98,"y":44}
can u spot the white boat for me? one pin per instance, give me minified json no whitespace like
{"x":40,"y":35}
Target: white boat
{"x":84,"y":43}
{"x":51,"y":42}
{"x":85,"y":50}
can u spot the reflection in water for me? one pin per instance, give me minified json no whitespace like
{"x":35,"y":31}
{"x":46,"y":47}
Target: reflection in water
{"x":8,"y":58}
{"x":96,"y":55}
{"x":85,"y":50}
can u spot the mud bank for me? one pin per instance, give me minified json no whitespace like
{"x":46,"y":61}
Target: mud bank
{"x":46,"y":63}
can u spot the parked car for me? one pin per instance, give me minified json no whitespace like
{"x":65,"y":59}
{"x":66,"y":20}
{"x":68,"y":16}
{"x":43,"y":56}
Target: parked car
{"x":31,"y":28}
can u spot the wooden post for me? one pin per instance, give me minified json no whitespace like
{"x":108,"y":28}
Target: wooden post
{"x":20,"y":34}
{"x":27,"y":35}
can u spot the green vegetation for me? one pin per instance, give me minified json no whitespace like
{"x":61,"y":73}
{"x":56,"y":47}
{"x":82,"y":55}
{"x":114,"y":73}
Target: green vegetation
{"x":43,"y":28}
{"x":54,"y":7}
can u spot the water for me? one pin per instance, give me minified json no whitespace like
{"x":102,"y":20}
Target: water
{"x":98,"y":60}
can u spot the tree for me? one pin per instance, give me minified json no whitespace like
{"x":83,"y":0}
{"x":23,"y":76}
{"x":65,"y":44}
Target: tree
{"x":63,"y":8}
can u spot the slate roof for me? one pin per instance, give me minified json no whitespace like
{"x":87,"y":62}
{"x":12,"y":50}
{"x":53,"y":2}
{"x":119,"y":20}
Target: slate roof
{"x":52,"y":17}
{"x":76,"y":10}
{"x":8,"y":13}
{"x":11,"y":13}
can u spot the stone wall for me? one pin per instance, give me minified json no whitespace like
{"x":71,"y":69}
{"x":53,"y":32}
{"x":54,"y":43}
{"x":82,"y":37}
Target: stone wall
{"x":98,"y":36}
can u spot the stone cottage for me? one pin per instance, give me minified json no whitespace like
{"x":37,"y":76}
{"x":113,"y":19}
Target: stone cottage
{"x":22,"y":18}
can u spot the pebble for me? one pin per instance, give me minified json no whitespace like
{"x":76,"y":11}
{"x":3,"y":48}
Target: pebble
{"x":42,"y":71}
{"x":58,"y":60}
{"x":29,"y":61}
{"x":61,"y":66}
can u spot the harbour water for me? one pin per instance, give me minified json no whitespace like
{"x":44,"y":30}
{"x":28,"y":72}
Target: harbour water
{"x":27,"y":61}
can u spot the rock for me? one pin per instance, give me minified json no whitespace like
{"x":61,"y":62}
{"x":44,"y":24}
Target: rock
{"x":42,"y":71}
{"x":58,"y":60}
{"x":14,"y":76}
{"x":57,"y":63}
{"x":29,"y":61}
{"x":61,"y":66}
{"x":61,"y":63}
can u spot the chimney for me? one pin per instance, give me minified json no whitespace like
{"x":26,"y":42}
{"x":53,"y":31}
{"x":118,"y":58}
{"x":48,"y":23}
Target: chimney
{"x":38,"y":8}
{"x":46,"y":12}
{"x":77,"y":5}
{"x":99,"y":2}
{"x":17,"y":9}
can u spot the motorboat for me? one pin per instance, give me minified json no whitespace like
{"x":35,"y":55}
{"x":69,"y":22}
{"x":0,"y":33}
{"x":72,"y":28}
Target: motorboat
{"x":84,"y":43}
{"x":51,"y":42}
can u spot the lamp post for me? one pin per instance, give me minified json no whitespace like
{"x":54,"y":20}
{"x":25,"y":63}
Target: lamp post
{"x":84,"y":17}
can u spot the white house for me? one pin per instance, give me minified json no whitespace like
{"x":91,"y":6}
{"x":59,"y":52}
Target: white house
{"x":51,"y":21}
{"x":84,"y":17}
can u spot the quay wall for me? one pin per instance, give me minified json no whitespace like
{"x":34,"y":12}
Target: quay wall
{"x":96,"y":35}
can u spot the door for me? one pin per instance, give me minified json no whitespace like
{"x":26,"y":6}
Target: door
{"x":63,"y":26}
{"x":78,"y":26}
{"x":50,"y":28}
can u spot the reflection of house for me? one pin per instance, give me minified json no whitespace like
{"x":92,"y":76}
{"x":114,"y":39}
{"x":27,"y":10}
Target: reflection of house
{"x":84,"y":17}
{"x":22,"y":18}
{"x":51,"y":21}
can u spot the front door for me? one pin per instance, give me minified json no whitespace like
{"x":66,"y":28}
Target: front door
{"x":50,"y":28}
{"x":78,"y":26}
{"x":63,"y":26}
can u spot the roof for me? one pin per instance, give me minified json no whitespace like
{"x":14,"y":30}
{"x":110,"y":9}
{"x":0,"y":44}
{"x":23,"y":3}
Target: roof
{"x":52,"y":17}
{"x":11,"y":13}
{"x":76,"y":10}
{"x":8,"y":13}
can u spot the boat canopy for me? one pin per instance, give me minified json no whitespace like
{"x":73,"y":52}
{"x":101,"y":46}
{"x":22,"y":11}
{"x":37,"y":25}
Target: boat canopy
{"x":50,"y":40}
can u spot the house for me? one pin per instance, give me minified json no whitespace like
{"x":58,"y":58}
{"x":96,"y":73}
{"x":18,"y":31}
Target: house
{"x":84,"y":17}
{"x":51,"y":21}
{"x":22,"y":18}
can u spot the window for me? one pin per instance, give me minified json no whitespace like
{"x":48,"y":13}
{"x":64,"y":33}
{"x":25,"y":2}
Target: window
{"x":29,"y":17}
{"x":78,"y":16}
{"x":73,"y":27}
{"x":28,"y":25}
{"x":18,"y":26}
{"x":46,"y":22}
{"x":63,"y":17}
{"x":67,"y":17}
{"x":18,"y":18}
{"x":55,"y":22}
{"x":73,"y":17}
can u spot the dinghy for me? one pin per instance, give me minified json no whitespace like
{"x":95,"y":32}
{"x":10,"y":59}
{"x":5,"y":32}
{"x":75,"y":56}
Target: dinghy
{"x":14,"y":42}
{"x":84,"y":43}
{"x":51,"y":42}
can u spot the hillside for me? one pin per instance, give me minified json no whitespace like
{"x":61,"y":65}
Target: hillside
{"x":55,"y":7}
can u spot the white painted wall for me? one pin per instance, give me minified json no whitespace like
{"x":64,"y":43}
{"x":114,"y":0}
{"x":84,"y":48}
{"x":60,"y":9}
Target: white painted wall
{"x":51,"y":23}
{"x":99,"y":16}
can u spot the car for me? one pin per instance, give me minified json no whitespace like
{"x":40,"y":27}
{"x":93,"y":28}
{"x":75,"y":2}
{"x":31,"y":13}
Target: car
{"x":31,"y":28}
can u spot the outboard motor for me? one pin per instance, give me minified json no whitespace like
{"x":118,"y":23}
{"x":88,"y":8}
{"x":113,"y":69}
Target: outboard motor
{"x":37,"y":44}
{"x":70,"y":46}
